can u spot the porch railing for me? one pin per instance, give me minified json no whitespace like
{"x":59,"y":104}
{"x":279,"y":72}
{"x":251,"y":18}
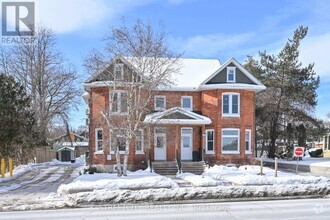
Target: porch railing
{"x":178,"y":161}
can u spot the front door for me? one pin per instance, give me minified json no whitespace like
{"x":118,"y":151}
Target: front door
{"x":160,"y":144}
{"x":186,"y":143}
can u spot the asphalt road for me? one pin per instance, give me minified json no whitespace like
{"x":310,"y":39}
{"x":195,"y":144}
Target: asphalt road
{"x":33,"y":187}
{"x":279,"y":209}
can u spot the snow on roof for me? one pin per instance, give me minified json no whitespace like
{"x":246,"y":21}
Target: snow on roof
{"x":194,"y":71}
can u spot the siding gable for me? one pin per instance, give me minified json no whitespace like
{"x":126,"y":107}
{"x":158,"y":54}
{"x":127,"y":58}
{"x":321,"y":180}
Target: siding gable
{"x":221,"y":77}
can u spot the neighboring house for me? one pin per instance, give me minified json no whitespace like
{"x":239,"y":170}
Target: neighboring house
{"x":208,"y":115}
{"x":69,"y":147}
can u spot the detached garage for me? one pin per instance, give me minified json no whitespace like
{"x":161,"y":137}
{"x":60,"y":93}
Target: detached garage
{"x":66,"y":154}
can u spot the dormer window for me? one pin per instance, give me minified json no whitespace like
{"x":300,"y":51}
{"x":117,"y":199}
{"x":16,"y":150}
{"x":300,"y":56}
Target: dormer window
{"x":119,"y":71}
{"x":231,"y":74}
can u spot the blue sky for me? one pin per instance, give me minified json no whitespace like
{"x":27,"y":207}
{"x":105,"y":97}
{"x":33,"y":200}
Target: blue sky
{"x":202,"y":29}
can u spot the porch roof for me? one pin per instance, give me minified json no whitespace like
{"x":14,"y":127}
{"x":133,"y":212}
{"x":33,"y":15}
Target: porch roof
{"x":177,"y":115}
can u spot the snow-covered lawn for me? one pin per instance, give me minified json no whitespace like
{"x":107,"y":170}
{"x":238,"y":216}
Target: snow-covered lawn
{"x":141,"y":179}
{"x":248,"y":175}
{"x":198,"y":180}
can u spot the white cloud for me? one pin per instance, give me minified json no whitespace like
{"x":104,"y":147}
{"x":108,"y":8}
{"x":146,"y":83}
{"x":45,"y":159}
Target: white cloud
{"x":210,"y":45}
{"x":315,"y":49}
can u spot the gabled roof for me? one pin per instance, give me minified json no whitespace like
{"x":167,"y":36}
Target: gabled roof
{"x":177,"y":115}
{"x":239,"y":66}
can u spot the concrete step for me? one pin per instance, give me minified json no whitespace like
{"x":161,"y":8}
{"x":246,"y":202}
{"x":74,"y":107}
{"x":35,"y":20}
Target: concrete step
{"x":165,"y":167}
{"x":193,"y":167}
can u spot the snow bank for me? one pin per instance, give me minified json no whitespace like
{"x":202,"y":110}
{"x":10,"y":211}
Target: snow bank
{"x":248,"y":175}
{"x":17,"y":172}
{"x":176,"y":194}
{"x":141,"y":179}
{"x":197,"y":180}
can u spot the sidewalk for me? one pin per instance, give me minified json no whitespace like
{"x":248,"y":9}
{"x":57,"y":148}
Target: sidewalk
{"x":318,"y":166}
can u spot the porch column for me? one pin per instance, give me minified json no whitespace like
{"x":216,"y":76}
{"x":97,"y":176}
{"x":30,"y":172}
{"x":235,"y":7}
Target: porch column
{"x":203,"y":141}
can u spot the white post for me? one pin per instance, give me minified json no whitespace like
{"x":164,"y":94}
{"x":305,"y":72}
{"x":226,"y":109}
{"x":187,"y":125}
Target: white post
{"x":297,"y":165}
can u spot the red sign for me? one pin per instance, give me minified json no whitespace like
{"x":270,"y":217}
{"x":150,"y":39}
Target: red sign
{"x":298,"y":151}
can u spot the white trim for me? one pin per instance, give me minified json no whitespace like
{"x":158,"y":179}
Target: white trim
{"x":119,"y":94}
{"x":154,"y":118}
{"x":228,"y":70}
{"x":158,"y":108}
{"x":96,"y":150}
{"x":142,"y":143}
{"x":165,"y":141}
{"x":191,"y":102}
{"x":191,"y":135}
{"x":242,"y":86}
{"x":250,"y":139}
{"x":238,"y":142}
{"x":230,"y":103}
{"x":206,"y":141}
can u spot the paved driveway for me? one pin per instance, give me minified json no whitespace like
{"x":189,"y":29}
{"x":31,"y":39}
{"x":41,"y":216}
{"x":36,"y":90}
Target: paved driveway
{"x":35,"y":186}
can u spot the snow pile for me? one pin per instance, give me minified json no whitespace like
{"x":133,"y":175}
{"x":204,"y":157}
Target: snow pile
{"x":81,"y":160}
{"x":198,"y":193}
{"x":141,"y":179}
{"x":197,"y":180}
{"x":248,"y":175}
{"x":17,"y":172}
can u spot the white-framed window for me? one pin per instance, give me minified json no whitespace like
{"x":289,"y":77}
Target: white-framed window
{"x":230,"y":141}
{"x":209,"y":141}
{"x":231,"y":74}
{"x":119,"y":101}
{"x":248,"y":141}
{"x":160,"y":103}
{"x":119,"y":71}
{"x":187,"y":102}
{"x":230,"y":104}
{"x":160,"y":137}
{"x":99,"y":140}
{"x":118,"y":138}
{"x":139,"y":142}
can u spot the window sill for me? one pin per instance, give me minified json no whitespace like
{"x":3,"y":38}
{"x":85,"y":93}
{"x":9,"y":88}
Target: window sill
{"x":159,"y":109}
{"x":230,"y":116}
{"x":248,"y":152}
{"x":230,"y":152}
{"x":139,"y":152}
{"x":209,"y":152}
{"x":120,"y":152}
{"x":99,"y":152}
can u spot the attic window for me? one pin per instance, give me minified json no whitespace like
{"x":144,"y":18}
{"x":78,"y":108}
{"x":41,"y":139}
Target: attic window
{"x":118,"y":71}
{"x":231,"y":74}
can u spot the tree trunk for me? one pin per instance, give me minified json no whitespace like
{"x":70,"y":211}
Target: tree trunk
{"x":126,"y":158}
{"x":119,"y":172}
{"x":272,"y":147}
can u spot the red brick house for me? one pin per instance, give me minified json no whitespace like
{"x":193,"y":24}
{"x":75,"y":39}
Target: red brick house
{"x":208,"y":115}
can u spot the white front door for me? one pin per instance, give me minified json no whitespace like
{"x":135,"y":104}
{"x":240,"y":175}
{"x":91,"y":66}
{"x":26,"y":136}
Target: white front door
{"x":160,"y":144}
{"x":186,"y":143}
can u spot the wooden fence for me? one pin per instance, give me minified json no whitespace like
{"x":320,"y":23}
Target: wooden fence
{"x":44,"y":154}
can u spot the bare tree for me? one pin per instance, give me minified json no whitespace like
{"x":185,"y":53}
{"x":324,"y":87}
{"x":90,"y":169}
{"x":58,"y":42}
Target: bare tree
{"x":47,"y":77}
{"x":148,"y":64}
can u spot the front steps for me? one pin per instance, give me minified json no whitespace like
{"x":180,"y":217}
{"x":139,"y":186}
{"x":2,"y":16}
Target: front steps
{"x":165,"y":167}
{"x":193,"y":167}
{"x":171,"y":168}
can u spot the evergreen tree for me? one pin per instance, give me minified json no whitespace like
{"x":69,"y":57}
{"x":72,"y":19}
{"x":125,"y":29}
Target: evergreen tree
{"x":291,"y":88}
{"x":17,"y":130}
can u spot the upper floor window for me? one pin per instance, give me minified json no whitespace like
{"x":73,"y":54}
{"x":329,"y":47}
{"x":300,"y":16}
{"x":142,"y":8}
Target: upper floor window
{"x":186,"y":103}
{"x":160,"y":103}
{"x":231,"y":74}
{"x":119,"y":101}
{"x":230,"y":105}
{"x":98,"y":139}
{"x":119,"y":71}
